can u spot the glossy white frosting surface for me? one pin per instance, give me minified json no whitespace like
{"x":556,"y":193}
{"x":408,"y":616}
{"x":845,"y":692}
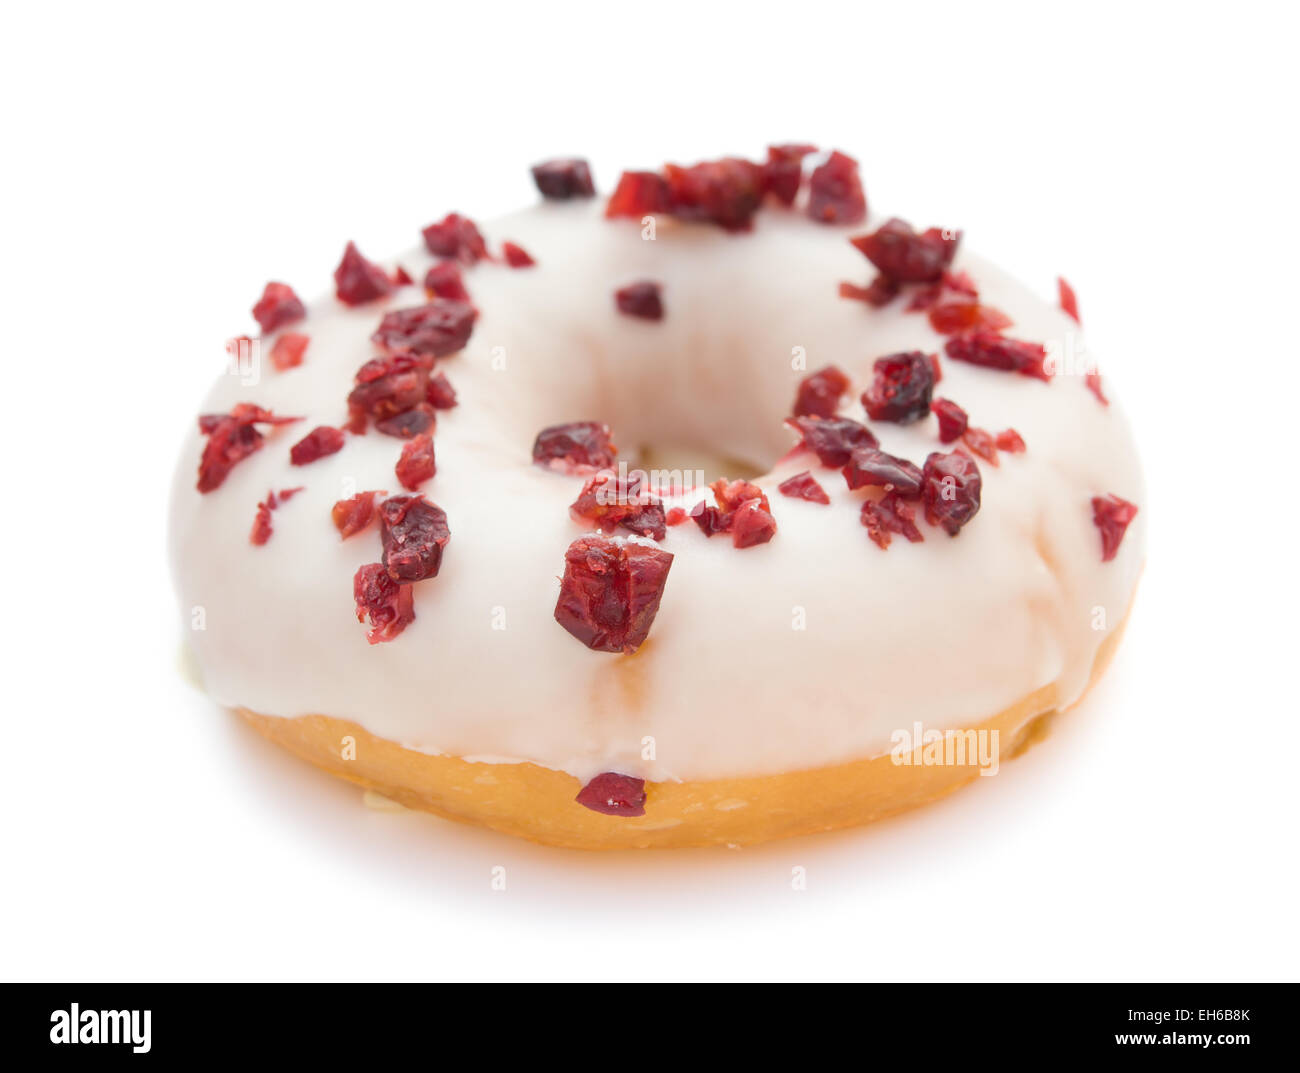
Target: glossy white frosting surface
{"x":807,"y":651}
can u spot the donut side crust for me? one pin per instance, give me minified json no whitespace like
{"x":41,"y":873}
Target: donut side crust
{"x":537,"y":803}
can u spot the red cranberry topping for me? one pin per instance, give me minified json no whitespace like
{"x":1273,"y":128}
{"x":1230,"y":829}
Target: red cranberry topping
{"x":444,"y":280}
{"x":456,"y":237}
{"x":879,"y":292}
{"x":440,"y":394}
{"x":982,"y":443}
{"x":952,"y":419}
{"x":709,"y":518}
{"x":726,"y":192}
{"x":288,"y":350}
{"x":389,"y":606}
{"x":641,"y":299}
{"x":819,"y":393}
{"x":1092,"y":381}
{"x":401,"y":277}
{"x":262,"y":528}
{"x":676,"y":516}
{"x":516,"y":256}
{"x":870,"y":466}
{"x":965,"y":315}
{"x":752,"y":525}
{"x":639,"y":193}
{"x":357,"y":280}
{"x":742,"y":510}
{"x":888,"y":515}
{"x":949,"y":283}
{"x":417,"y":463}
{"x":610,"y":592}
{"x":951,"y":490}
{"x":408,"y":423}
{"x":564,"y":178}
{"x":832,"y":439}
{"x":318,"y":443}
{"x":908,"y":257}
{"x":1009,"y":440}
{"x":353,"y":515}
{"x":995,"y":351}
{"x":804,"y":486}
{"x":732,"y":495}
{"x":433,"y":330}
{"x":614,"y":795}
{"x":936,"y":368}
{"x":610,"y":500}
{"x":277,"y":307}
{"x":386,"y":387}
{"x":784,"y":170}
{"x":576,"y":448}
{"x":1111,"y":515}
{"x":902,"y":388}
{"x":232,"y":437}
{"x":1069,"y":302}
{"x":835,"y":192}
{"x":414,"y":532}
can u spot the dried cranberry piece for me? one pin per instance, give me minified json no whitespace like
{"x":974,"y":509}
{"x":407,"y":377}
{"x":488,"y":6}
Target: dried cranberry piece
{"x":433,"y":330}
{"x":262,"y":527}
{"x":835,"y":191}
{"x":1112,"y":515}
{"x":232,"y":437}
{"x":440,"y":394}
{"x":352,"y":515}
{"x":564,"y":178}
{"x":951,"y":490}
{"x":1092,"y":381}
{"x":288,"y":350}
{"x":982,"y":443}
{"x":641,"y":299}
{"x":612,"y":500}
{"x":389,"y":606}
{"x":401,"y":277}
{"x":614,"y":795}
{"x":1009,"y":440}
{"x":888,"y":515}
{"x":879,"y":292}
{"x":995,"y":351}
{"x":277,"y":307}
{"x":408,"y":423}
{"x":516,"y":256}
{"x":726,"y":192}
{"x":639,"y":193}
{"x":676,"y":516}
{"x":610,"y":592}
{"x":804,"y":486}
{"x":357,"y":280}
{"x":908,"y":257}
{"x":444,"y":280}
{"x":414,"y":532}
{"x":386,"y":387}
{"x":833,"y":439}
{"x":1069,"y":301}
{"x":742,"y":510}
{"x":752,"y":525}
{"x":456,"y":237}
{"x":732,"y":495}
{"x":958,"y":283}
{"x":784,"y":170}
{"x":709,"y":518}
{"x":318,"y":443}
{"x":416,"y":465}
{"x":819,"y":393}
{"x":952,"y":419}
{"x":870,"y":466}
{"x":575,"y":448}
{"x":965,"y":315}
{"x":902,"y":388}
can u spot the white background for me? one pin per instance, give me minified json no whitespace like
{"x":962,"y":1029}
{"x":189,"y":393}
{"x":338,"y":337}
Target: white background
{"x":162,"y":161}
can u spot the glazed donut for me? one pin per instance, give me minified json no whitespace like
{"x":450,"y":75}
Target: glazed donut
{"x":713,"y":511}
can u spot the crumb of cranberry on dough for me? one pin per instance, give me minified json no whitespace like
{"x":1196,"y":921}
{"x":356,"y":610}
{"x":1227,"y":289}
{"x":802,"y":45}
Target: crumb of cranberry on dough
{"x":456,"y":237}
{"x":386,"y":387}
{"x":901,"y":389}
{"x":390,"y":607}
{"x":639,"y":193}
{"x":610,"y":501}
{"x":288,"y":350}
{"x":906,"y":256}
{"x":888,"y":515}
{"x":742,"y":510}
{"x":1092,"y":381}
{"x":577,"y":448}
{"x":820,"y":392}
{"x":444,"y":280}
{"x":614,"y":795}
{"x":994,"y":351}
{"x":232,"y":437}
{"x":262,"y":528}
{"x":642,"y":299}
{"x":1010,"y":440}
{"x":804,"y":486}
{"x":354,"y":514}
{"x":416,"y":464}
{"x":409,"y":423}
{"x":726,"y":192}
{"x":832,"y":439}
{"x":318,"y":443}
{"x":1068,"y":299}
{"x":440,"y":394}
{"x":982,"y":443}
{"x":610,"y":592}
{"x":879,"y":292}
{"x":783,"y":172}
{"x":413,"y":532}
{"x":835,"y":194}
{"x":966,"y":314}
{"x":564,"y":178}
{"x":433,"y":330}
{"x":1112,"y":515}
{"x":872,"y":467}
{"x":951,"y":490}
{"x":278,"y":307}
{"x":357,"y":281}
{"x":516,"y":256}
{"x":952,"y":420}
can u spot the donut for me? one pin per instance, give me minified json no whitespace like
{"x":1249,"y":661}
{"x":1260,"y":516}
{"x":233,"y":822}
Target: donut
{"x":713,"y":510}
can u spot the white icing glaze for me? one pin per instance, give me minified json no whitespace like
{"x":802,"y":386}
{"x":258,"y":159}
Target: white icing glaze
{"x":947,"y":632}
